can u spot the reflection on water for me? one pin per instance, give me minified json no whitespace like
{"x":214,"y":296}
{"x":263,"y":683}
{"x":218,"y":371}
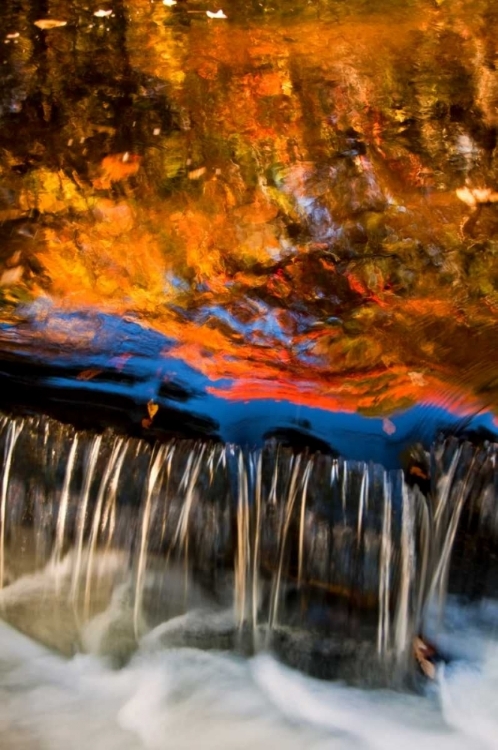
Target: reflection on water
{"x":245,"y":222}
{"x":302,"y":197}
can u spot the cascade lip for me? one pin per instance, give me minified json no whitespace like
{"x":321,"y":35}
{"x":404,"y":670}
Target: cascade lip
{"x":39,"y":383}
{"x":29,"y":385}
{"x":112,"y":381}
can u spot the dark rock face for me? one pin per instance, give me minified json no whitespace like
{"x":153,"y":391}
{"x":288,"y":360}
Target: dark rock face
{"x":330,"y":563}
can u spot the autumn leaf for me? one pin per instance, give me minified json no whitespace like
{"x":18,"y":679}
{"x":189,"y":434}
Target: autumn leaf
{"x":388,"y":427}
{"x":218,"y":14}
{"x":120,"y":361}
{"x":152,"y":408}
{"x":11,"y":276}
{"x":116,"y":167}
{"x":477,"y":196}
{"x":416,"y":471}
{"x":49,"y":23}
{"x":196,"y":174}
{"x":88,"y":374}
{"x":423,"y":653}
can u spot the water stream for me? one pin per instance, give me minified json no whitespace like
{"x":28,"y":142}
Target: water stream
{"x":249,"y":253}
{"x":165,"y":591}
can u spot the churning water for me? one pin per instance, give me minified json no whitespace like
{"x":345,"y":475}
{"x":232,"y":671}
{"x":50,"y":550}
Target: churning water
{"x":186,"y":698}
{"x":166,"y":596}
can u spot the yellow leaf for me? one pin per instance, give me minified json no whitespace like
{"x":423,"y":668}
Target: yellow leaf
{"x":49,"y":23}
{"x":88,"y":374}
{"x":152,"y":408}
{"x":116,"y":167}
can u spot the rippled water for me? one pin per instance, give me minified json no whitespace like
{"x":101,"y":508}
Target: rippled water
{"x":301,"y":197}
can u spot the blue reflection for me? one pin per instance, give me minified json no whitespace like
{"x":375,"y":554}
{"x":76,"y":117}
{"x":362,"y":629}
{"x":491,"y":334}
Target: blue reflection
{"x":139,"y":365}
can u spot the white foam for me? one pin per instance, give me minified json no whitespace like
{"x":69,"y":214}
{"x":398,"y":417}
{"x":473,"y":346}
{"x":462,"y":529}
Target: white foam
{"x":184,"y":699}
{"x":469,"y":698}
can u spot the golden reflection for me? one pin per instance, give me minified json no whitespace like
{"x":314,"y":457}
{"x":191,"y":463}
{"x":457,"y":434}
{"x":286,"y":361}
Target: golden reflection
{"x":288,"y":199}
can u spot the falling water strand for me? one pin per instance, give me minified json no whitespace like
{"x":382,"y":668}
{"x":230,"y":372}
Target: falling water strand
{"x":165,"y":508}
{"x":243,"y":557}
{"x":425,"y":549}
{"x":283,"y":539}
{"x":188,"y":482}
{"x":119,"y":446}
{"x":443,"y":491}
{"x":222,"y":461}
{"x":82,"y":514}
{"x":13,"y":431}
{"x":187,"y":472}
{"x":363,"y":501}
{"x":344,"y":488}
{"x":63,"y":507}
{"x":402,"y":626}
{"x":153,"y":475}
{"x":439,"y":528}
{"x":334,"y":472}
{"x":440,"y":576}
{"x":272,"y":497}
{"x":257,"y":542}
{"x":210,"y":466}
{"x":385,"y":572}
{"x":302,"y":519}
{"x":109,"y":510}
{"x":485,"y":501}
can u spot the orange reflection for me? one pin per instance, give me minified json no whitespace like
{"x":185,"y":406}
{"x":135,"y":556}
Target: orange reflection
{"x":297,"y":224}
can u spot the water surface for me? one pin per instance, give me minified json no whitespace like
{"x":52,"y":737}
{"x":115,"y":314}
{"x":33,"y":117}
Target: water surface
{"x":299,"y":196}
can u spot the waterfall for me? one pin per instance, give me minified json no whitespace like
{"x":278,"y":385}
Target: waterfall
{"x":304,"y":542}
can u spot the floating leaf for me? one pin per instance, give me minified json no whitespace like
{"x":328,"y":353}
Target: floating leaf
{"x":476,"y":196}
{"x":417,"y":378}
{"x":11,"y":276}
{"x":196,"y":174}
{"x":49,"y":23}
{"x":423,"y":653}
{"x":152,"y":408}
{"x":116,"y":167}
{"x":88,"y":374}
{"x":218,"y":14}
{"x":416,"y":471}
